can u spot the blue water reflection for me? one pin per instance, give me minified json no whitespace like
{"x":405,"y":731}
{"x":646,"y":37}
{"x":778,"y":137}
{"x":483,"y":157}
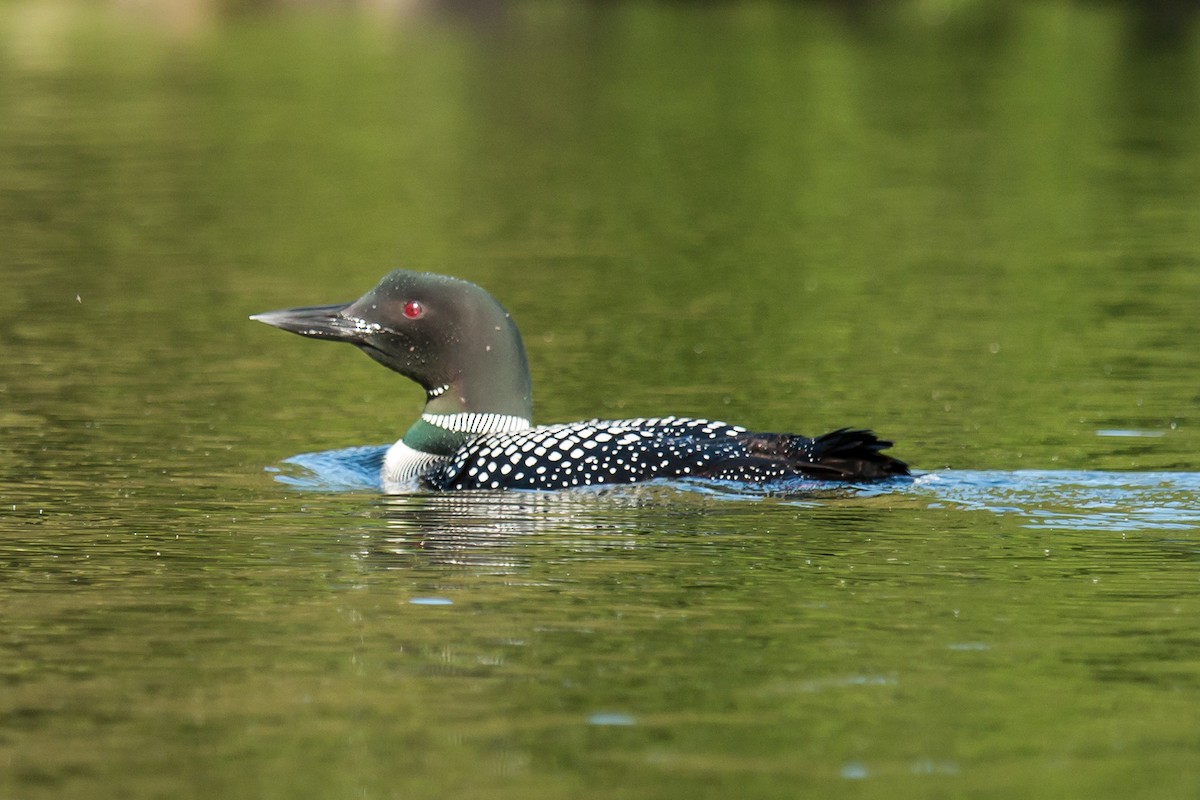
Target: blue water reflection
{"x":1088,"y":500}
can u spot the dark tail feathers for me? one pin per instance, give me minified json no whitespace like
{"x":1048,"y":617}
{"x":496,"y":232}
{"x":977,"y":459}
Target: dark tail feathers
{"x":852,"y":455}
{"x":842,"y":455}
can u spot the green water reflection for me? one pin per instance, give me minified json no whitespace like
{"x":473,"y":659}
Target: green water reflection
{"x":972,"y":226}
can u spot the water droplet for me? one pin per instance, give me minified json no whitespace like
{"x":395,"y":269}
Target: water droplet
{"x":610,"y":718}
{"x":855,"y":771}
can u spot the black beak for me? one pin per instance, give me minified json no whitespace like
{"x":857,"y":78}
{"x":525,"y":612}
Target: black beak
{"x":318,"y":322}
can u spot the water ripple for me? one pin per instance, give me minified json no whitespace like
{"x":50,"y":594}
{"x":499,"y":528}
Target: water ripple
{"x":1075,"y":500}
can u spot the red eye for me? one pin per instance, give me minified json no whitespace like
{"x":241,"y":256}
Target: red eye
{"x":414,"y":310}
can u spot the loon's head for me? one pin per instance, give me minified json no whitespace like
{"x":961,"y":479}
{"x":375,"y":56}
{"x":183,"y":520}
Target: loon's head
{"x":448,"y":335}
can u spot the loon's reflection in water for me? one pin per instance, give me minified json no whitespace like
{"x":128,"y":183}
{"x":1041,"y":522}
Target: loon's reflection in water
{"x":488,"y":530}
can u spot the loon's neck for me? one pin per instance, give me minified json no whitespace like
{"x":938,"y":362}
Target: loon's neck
{"x":486,"y":390}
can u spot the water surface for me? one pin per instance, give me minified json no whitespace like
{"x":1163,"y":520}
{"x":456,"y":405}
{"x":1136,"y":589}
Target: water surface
{"x":972,"y":227}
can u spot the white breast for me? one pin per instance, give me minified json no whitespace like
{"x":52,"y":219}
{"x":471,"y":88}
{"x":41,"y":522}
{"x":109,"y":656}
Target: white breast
{"x":403,"y":465}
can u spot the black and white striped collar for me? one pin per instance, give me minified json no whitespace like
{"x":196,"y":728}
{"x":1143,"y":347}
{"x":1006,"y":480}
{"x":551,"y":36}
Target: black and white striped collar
{"x":476,"y":422}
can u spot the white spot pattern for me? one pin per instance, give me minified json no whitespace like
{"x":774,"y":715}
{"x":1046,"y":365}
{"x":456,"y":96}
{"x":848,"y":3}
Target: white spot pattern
{"x":603,"y":452}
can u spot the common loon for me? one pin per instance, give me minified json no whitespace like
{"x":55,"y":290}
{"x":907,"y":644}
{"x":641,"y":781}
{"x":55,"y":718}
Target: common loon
{"x":463,"y":348}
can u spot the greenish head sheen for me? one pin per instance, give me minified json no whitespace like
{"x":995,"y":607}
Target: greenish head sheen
{"x":451,"y":337}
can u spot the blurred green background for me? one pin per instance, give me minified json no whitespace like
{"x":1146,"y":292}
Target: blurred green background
{"x":973,"y":225}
